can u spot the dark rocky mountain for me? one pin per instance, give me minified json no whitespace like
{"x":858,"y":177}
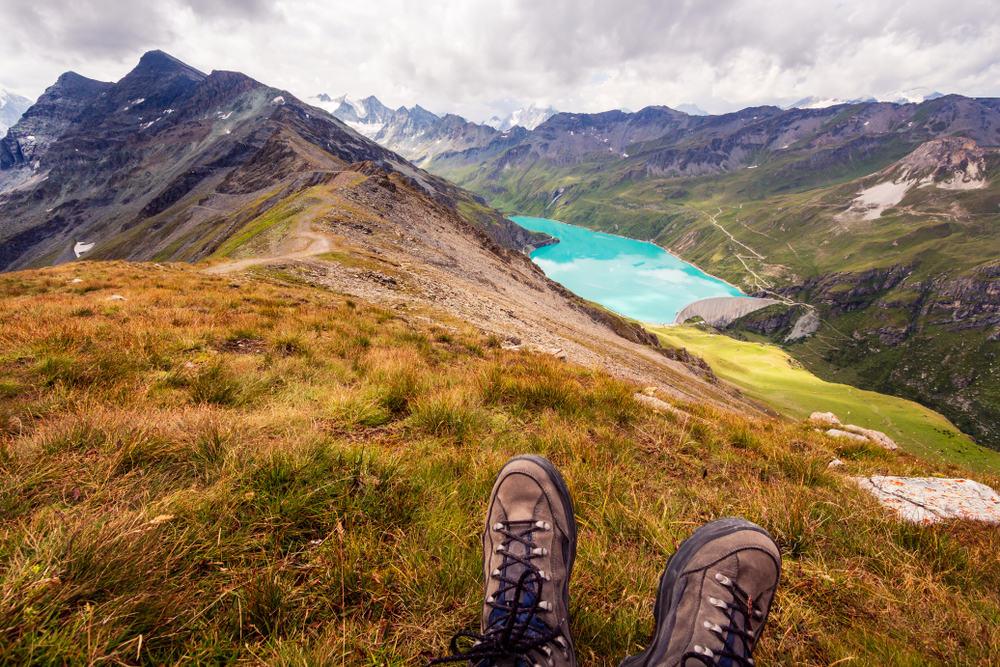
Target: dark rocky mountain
{"x":42,"y":124}
{"x":95,"y":162}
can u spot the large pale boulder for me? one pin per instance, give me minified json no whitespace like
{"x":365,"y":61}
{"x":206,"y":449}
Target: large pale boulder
{"x":837,"y":433}
{"x":836,"y":429}
{"x":928,"y":500}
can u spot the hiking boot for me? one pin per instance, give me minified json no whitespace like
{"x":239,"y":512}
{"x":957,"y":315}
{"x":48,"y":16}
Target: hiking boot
{"x":529,"y":545}
{"x":714,"y":597}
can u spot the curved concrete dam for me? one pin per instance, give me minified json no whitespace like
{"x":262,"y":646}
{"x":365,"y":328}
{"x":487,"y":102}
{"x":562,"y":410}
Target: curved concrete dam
{"x":721,"y":310}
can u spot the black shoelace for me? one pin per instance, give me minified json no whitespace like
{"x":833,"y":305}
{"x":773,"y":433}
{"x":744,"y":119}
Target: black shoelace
{"x":516,"y":632}
{"x":730,"y":632}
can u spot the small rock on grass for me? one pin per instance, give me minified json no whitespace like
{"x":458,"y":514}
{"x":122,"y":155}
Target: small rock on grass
{"x":837,"y":433}
{"x":662,"y":406}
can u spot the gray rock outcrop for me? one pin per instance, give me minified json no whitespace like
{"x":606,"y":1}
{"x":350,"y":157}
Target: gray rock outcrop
{"x":926,"y":500}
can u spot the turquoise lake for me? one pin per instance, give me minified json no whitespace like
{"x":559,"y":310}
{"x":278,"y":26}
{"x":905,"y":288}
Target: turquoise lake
{"x":633,"y":278}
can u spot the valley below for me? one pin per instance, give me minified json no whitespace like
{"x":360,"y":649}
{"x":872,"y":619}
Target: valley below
{"x":877,"y":220}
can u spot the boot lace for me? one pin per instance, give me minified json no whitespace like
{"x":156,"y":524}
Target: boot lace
{"x":730,"y":655}
{"x":516,"y":634}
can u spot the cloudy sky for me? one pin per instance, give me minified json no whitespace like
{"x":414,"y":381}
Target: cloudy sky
{"x":479,"y":58}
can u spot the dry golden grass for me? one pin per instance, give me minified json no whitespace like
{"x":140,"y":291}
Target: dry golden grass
{"x":218,"y":471}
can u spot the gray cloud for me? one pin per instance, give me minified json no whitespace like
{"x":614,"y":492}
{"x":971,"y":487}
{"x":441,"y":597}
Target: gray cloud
{"x":90,"y":28}
{"x":477,"y":57}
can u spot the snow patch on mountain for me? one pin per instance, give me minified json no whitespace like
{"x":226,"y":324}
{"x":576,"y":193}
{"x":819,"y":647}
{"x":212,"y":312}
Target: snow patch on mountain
{"x":691,"y":110}
{"x":368,"y":130}
{"x":952,"y":163}
{"x":911,"y":96}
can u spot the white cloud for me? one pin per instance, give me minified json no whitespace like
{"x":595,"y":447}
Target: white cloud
{"x":478,"y":58}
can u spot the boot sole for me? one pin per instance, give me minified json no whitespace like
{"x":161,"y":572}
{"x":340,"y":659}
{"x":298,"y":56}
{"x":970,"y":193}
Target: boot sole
{"x":665,"y":590}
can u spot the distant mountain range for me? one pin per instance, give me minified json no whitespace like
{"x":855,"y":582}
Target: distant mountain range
{"x":419,"y":135}
{"x":879,"y":217}
{"x":12,"y":106}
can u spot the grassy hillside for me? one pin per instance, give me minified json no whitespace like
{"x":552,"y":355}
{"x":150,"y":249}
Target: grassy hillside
{"x":220,"y":471}
{"x":767,"y":373}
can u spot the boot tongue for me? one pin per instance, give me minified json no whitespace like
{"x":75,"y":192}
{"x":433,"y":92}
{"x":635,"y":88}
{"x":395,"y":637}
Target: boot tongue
{"x":512,"y":569}
{"x":739,"y":647}
{"x":521,"y":496}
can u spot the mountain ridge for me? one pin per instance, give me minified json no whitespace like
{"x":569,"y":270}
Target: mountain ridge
{"x":93,"y":157}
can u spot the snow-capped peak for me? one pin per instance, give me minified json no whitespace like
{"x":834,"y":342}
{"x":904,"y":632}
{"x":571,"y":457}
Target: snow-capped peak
{"x":357,"y":104}
{"x":691,"y":109}
{"x":911,"y":96}
{"x":12,"y":106}
{"x":816,"y":102}
{"x":529,"y":118}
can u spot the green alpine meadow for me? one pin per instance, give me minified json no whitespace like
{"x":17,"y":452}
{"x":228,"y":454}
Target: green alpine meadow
{"x":279,"y":475}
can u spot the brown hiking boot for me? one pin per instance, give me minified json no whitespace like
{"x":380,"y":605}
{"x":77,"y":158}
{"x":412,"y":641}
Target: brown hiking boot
{"x":714,"y":597}
{"x":529,"y":545}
